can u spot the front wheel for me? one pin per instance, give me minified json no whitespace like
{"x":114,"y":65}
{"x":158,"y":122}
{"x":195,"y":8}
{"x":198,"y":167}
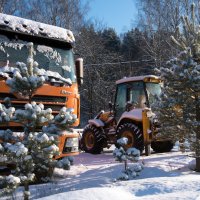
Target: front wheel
{"x":92,"y":140}
{"x":134,"y":135}
{"x":162,"y":146}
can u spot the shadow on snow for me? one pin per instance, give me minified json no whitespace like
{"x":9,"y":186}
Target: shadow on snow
{"x":107,"y":171}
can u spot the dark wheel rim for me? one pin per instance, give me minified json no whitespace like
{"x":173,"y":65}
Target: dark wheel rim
{"x":129,"y":135}
{"x":89,"y":140}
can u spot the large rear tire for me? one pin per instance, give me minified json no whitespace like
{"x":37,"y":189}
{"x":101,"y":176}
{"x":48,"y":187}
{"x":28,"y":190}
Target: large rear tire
{"x":162,"y":146}
{"x":134,"y":135}
{"x":92,"y":140}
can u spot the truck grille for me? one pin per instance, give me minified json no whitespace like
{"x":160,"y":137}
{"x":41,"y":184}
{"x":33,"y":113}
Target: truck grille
{"x":53,"y":102}
{"x":4,"y":95}
{"x":54,"y":107}
{"x":40,"y":98}
{"x":36,"y":98}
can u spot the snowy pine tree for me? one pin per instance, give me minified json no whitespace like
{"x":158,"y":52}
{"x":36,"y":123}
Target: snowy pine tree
{"x":31,"y":152}
{"x":179,"y":108}
{"x":26,"y":77}
{"x":131,"y":154}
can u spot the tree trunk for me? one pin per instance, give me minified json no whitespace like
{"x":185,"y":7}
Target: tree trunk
{"x":198,"y":150}
{"x":197,"y":135}
{"x":26,"y":191}
{"x":125,"y":165}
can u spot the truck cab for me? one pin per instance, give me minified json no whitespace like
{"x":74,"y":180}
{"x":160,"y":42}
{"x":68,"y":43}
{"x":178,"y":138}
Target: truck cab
{"x":53,"y":50}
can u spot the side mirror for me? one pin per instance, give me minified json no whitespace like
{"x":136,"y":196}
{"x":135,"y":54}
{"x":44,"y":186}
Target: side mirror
{"x":79,"y":70}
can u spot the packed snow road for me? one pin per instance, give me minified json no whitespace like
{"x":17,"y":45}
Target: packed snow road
{"x":93,"y":177}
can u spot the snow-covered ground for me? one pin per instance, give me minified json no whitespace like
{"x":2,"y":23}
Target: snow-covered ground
{"x":165,"y":176}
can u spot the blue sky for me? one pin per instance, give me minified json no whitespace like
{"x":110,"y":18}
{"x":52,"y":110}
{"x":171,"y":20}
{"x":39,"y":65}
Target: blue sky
{"x":118,"y":14}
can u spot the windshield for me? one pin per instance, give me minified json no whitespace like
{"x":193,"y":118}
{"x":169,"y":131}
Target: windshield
{"x":153,"y":92}
{"x":132,"y":92}
{"x":51,"y":58}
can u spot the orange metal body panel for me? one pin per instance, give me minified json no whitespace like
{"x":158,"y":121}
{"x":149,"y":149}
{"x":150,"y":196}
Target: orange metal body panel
{"x":61,"y":142}
{"x":146,"y":126}
{"x":105,"y":116}
{"x":62,"y":139}
{"x":72,"y":101}
{"x":70,"y":92}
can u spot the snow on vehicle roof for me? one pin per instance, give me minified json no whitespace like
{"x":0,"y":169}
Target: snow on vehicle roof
{"x":35,"y":28}
{"x":136,"y":78}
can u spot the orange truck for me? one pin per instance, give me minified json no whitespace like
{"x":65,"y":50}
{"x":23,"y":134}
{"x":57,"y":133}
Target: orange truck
{"x":53,"y":50}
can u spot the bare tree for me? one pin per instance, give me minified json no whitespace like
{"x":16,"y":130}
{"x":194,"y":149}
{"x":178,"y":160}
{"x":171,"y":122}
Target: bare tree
{"x":159,"y":19}
{"x":69,"y":14}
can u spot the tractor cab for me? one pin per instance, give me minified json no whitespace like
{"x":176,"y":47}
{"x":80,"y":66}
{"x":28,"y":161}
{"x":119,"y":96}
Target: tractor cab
{"x":136,"y":92}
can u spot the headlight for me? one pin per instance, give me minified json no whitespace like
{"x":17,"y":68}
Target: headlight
{"x":71,"y":142}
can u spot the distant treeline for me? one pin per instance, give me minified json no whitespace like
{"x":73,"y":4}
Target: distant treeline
{"x":108,"y":56}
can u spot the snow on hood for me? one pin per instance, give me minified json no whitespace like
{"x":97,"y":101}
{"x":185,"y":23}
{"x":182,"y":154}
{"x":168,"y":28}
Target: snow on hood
{"x":4,"y":74}
{"x":135,"y":113}
{"x":35,"y":28}
{"x":51,"y":74}
{"x":7,"y":71}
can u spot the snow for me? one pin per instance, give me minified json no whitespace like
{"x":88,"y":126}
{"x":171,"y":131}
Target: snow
{"x":6,"y":113}
{"x":133,"y":151}
{"x":49,"y":74}
{"x":14,"y":45}
{"x":122,"y":141}
{"x":18,"y":148}
{"x":12,"y":179}
{"x":96,"y":122}
{"x":135,"y":113}
{"x":66,"y":68}
{"x":93,"y":177}
{"x":35,"y":28}
{"x":95,"y":193}
{"x":49,"y":53}
{"x":43,"y":139}
{"x":4,"y":72}
{"x":53,"y":148}
{"x":136,"y":78}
